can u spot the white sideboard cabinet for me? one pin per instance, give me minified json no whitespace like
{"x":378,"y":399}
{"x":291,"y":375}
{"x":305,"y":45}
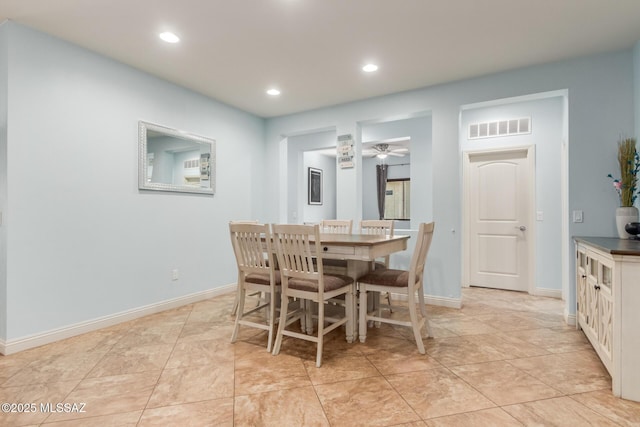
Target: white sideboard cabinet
{"x":608,"y":307}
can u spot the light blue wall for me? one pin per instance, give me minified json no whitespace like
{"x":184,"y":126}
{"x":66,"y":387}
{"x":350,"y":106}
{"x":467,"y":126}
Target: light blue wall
{"x":600,"y":107}
{"x":82,"y":241}
{"x":546,"y":135}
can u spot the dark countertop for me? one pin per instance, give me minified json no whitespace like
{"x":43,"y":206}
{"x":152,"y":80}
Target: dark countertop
{"x":613,"y":245}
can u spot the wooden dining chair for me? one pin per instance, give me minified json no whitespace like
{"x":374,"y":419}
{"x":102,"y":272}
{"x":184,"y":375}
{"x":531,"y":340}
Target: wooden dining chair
{"x":234,"y":309}
{"x":303,"y":278}
{"x":340,"y":226}
{"x":336,"y":226}
{"x":382,"y":227}
{"x":256,"y":273}
{"x":400,"y":281}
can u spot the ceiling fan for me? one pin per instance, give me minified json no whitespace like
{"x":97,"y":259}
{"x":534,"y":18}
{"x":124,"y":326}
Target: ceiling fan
{"x":383,"y":150}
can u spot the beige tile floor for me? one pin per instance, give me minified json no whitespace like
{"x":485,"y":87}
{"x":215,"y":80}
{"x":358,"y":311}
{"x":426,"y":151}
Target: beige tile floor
{"x":504,"y":359}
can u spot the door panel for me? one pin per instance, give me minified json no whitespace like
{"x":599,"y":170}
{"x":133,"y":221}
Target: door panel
{"x":496,"y":191}
{"x":503,"y":250}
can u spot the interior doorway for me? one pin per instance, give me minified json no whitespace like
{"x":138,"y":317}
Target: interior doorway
{"x":312,"y":150}
{"x":499,"y":197}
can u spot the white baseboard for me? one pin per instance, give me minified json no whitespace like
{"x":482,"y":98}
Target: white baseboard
{"x":25,"y":343}
{"x":433,"y":300}
{"x":541,"y":292}
{"x":546,"y":292}
{"x":570,"y":319}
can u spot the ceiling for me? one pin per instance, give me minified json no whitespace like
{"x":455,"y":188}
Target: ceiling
{"x":313,"y":50}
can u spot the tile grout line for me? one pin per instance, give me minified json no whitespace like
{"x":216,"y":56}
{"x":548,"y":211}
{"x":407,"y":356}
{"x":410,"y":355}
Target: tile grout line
{"x":164,"y":367}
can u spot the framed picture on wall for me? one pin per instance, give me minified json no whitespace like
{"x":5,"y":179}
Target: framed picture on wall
{"x":315,"y":186}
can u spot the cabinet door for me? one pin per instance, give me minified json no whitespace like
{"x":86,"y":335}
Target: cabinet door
{"x":593,"y":266}
{"x":605,"y":309}
{"x":581,"y":284}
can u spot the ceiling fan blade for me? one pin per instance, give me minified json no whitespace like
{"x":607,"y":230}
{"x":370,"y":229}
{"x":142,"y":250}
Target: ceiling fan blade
{"x":396,"y":154}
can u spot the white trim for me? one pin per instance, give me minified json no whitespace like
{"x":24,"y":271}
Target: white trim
{"x":432,"y":300}
{"x":546,"y":292}
{"x":443,"y":301}
{"x":20,"y":344}
{"x":570,"y":319}
{"x":567,"y":259}
{"x":516,"y":99}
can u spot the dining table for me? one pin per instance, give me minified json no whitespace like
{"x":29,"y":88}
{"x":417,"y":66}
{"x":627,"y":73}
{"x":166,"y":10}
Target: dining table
{"x":360,"y":252}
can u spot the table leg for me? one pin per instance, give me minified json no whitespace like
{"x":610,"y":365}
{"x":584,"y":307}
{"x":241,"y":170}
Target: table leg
{"x":355,"y":269}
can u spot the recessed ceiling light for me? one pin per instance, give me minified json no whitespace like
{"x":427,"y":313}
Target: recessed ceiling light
{"x":169,"y":37}
{"x":370,"y":68}
{"x":273,"y":92}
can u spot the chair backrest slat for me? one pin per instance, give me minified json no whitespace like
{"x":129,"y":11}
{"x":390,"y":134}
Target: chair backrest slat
{"x":376,"y":226}
{"x":382,"y":227}
{"x":252,"y":246}
{"x":296,"y":249}
{"x":336,"y":226}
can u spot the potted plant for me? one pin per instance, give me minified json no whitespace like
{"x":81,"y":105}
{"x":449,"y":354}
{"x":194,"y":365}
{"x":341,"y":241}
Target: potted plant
{"x":627,"y":185}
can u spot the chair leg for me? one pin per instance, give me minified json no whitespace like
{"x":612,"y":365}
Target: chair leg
{"x":423,"y":311}
{"x":320,"y":343}
{"x":239,"y":311}
{"x":303,"y":319}
{"x":308,"y":310}
{"x":414,"y":320}
{"x":377,"y":306}
{"x":272,"y":319}
{"x":363,"y":314}
{"x":348,"y":300}
{"x":234,"y":310}
{"x":284,"y":309}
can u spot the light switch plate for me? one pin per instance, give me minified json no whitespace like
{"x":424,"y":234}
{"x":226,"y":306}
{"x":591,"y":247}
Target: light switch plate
{"x":577,"y":216}
{"x":539,"y":216}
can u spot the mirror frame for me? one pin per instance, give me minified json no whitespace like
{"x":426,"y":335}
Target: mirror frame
{"x":143,"y":184}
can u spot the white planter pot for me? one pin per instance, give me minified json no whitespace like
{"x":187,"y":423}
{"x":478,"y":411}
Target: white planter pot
{"x":625,"y":215}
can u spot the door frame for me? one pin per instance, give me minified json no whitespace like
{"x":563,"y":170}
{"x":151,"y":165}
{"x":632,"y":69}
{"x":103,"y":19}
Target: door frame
{"x":530,"y":151}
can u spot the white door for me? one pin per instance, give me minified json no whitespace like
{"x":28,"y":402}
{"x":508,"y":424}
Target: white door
{"x":498,"y":202}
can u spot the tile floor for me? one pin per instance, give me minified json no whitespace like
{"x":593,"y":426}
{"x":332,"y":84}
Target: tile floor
{"x":504,"y":359}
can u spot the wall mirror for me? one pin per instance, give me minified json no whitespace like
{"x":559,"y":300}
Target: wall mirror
{"x":174,"y":160}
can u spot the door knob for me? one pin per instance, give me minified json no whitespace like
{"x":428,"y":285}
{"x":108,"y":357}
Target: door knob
{"x":522,"y":228}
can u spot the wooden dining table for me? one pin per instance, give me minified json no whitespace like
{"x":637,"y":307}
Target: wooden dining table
{"x":360,"y":251}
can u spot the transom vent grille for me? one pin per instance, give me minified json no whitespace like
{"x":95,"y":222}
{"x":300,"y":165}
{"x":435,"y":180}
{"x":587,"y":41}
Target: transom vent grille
{"x":500,"y":128}
{"x":192,"y":163}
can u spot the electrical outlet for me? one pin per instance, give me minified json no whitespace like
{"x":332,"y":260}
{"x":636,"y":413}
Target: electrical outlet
{"x":175,"y":274}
